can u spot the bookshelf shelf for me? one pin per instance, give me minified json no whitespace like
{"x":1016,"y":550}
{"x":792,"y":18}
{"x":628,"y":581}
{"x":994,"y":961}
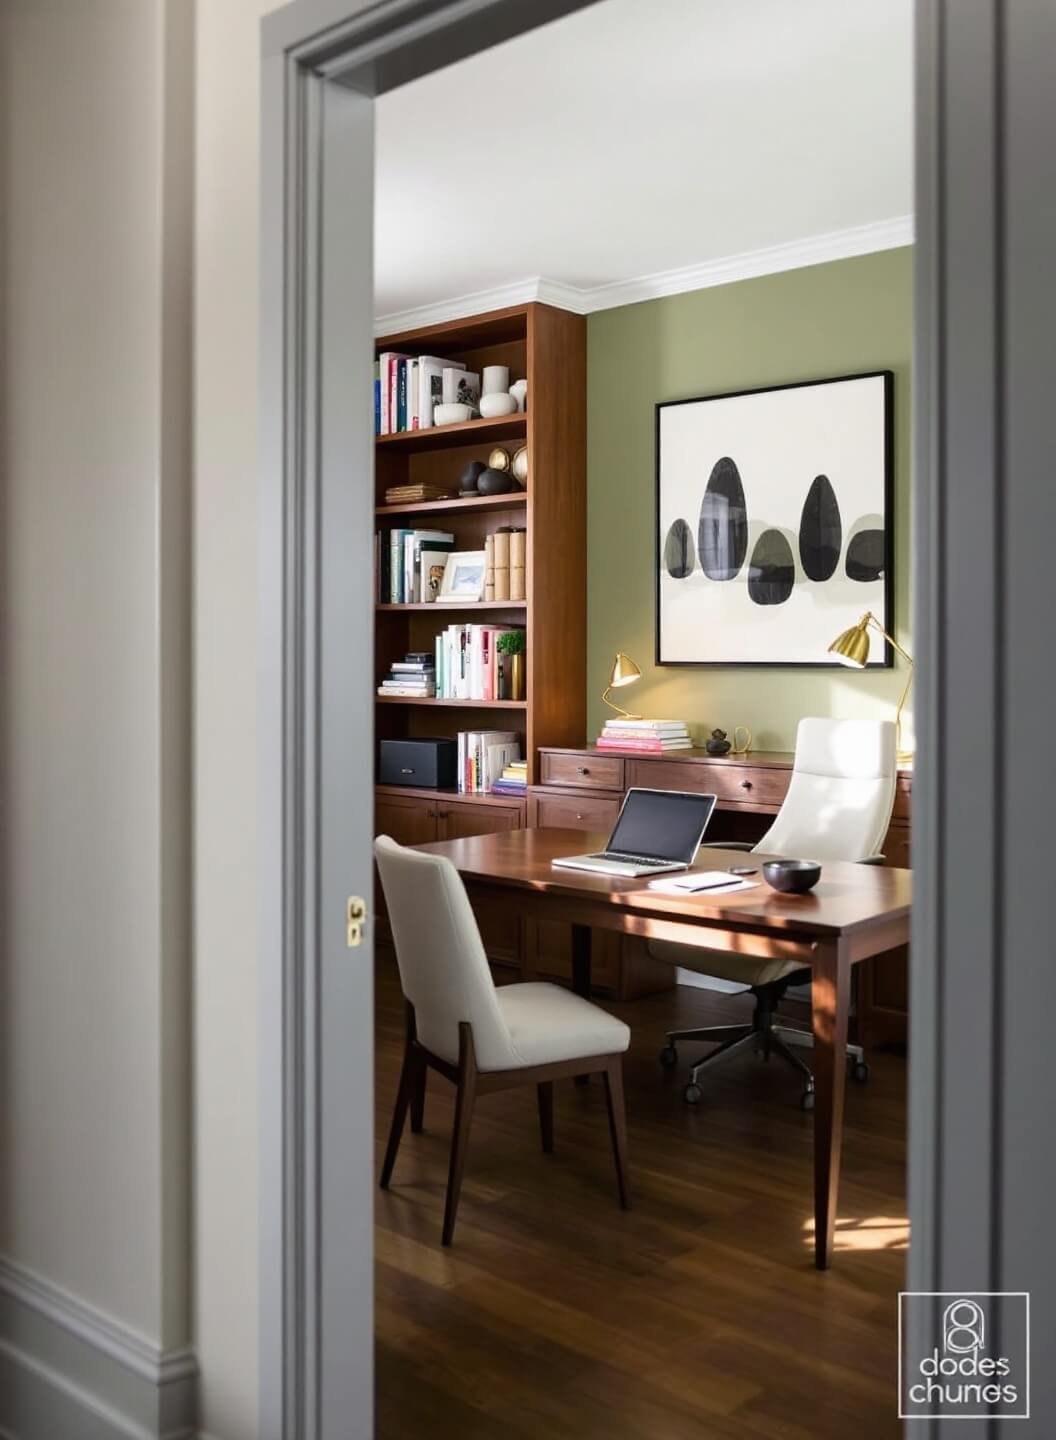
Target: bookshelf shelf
{"x":433,"y":607}
{"x":446,"y":437}
{"x":448,"y":704}
{"x":461,"y":503}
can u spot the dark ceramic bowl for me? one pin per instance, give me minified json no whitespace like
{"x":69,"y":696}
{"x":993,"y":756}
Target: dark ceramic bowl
{"x":792,"y":877}
{"x":496,"y":482}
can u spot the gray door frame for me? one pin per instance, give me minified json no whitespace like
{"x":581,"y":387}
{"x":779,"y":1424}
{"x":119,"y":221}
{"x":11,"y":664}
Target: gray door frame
{"x":984,"y":960}
{"x":983,"y":974}
{"x":322,"y":62}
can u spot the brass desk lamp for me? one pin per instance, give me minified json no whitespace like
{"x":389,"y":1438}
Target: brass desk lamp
{"x":624,"y":672}
{"x":852,"y":649}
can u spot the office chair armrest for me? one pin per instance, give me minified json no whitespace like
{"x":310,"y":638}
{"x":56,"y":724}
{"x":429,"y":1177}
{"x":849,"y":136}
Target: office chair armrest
{"x":744,"y":845}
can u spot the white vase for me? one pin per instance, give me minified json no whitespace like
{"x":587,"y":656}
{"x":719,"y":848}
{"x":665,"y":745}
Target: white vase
{"x":519,"y":391}
{"x":496,"y":379}
{"x":497,"y":403}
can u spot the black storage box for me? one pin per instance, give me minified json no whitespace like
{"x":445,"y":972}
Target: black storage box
{"x":430,"y":762}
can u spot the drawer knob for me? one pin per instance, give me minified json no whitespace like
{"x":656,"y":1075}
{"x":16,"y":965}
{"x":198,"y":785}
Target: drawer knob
{"x":578,"y":815}
{"x":746,"y":784}
{"x":582,"y":769}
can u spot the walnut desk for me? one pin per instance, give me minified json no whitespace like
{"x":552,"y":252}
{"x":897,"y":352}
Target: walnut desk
{"x":855,"y":912}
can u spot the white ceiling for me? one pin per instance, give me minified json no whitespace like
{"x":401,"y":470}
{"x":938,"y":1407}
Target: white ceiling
{"x":643,"y":136}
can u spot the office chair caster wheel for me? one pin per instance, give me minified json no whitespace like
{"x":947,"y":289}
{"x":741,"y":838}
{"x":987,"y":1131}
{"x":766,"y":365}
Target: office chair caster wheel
{"x":860,"y":1072}
{"x":692,"y":1094}
{"x":806,"y":1100}
{"x":668,"y":1057}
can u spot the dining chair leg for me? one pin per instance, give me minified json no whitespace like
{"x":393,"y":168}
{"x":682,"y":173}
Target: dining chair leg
{"x":467,"y":1093}
{"x":545,"y":1091}
{"x":418,"y":1097}
{"x":618,"y":1126}
{"x":399,"y":1114}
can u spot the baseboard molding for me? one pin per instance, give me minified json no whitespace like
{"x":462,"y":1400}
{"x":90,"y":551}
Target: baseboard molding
{"x":726,"y":270}
{"x":70,"y":1370}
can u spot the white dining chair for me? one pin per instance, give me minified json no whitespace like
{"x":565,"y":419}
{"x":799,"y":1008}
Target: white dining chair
{"x":480,"y":1037}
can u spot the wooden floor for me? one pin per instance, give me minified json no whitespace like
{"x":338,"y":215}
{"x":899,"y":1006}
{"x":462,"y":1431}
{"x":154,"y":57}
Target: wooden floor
{"x":698,"y":1314}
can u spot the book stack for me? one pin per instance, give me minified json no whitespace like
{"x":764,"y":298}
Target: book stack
{"x":513,"y":780}
{"x":407,"y":388}
{"x":467,"y":662}
{"x":414,"y":494}
{"x":413,"y":677}
{"x":409,"y":565}
{"x":483,"y":755}
{"x":645,"y":737}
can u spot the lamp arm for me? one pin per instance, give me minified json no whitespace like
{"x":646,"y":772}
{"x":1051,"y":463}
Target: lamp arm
{"x":902,"y":755}
{"x":891,"y":640}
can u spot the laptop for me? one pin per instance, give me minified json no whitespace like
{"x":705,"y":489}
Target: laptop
{"x":656,"y":831}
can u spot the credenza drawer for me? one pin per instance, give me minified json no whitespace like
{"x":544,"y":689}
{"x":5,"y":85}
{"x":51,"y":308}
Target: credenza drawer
{"x":585,"y":772}
{"x":732,"y":783}
{"x":572,"y":812}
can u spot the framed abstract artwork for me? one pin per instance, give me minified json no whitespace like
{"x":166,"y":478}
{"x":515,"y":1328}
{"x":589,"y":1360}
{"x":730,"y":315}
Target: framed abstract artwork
{"x":774,"y":512}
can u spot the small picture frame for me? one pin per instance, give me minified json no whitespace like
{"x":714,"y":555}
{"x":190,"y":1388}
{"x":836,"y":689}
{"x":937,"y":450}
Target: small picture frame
{"x":463,"y":578}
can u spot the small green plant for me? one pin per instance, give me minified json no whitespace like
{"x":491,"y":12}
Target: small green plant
{"x":511,"y":642}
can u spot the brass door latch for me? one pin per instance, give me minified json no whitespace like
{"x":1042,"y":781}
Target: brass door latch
{"x":356,"y":915}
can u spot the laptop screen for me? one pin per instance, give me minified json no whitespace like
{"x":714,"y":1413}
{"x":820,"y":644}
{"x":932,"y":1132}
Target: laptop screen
{"x":662,"y":824}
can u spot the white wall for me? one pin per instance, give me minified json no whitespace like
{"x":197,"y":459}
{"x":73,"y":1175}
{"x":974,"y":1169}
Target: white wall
{"x":225,"y":541}
{"x":94,"y":694}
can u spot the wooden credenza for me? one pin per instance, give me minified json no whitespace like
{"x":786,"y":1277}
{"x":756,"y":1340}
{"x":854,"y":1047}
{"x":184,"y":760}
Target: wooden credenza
{"x":583,"y":789}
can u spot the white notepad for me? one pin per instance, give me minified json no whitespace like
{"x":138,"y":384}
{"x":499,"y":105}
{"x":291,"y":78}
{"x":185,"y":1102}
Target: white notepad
{"x":702,"y":882}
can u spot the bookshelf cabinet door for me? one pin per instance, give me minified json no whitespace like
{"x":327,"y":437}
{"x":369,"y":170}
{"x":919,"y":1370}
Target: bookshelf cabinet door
{"x":500,"y":927}
{"x":408,"y":819}
{"x":459,"y":819}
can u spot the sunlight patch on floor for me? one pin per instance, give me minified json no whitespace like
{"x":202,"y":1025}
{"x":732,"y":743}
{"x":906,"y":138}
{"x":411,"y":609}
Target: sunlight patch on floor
{"x":875,"y":1232}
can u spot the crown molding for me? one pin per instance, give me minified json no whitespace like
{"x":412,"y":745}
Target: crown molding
{"x":748,"y":265}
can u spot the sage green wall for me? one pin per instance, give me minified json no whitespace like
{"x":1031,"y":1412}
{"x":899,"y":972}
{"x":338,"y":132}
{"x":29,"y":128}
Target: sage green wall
{"x":851,"y":315}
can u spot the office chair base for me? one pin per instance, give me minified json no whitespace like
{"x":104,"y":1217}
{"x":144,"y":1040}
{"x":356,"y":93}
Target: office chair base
{"x":806,"y":1040}
{"x":769,"y":1039}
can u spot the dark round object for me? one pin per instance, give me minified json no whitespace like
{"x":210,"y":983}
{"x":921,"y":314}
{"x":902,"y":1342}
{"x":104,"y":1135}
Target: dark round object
{"x":496,"y":482}
{"x":806,"y":1100}
{"x":467,"y":483}
{"x":692,"y":1094}
{"x":669,"y":1057}
{"x":860,"y":1072}
{"x":792,"y":877}
{"x":717,"y":747}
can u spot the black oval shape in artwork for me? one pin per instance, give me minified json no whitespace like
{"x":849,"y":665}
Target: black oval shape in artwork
{"x":820,"y":530}
{"x":865,"y":555}
{"x":679,"y":554}
{"x":722,"y":535}
{"x":771,"y":570}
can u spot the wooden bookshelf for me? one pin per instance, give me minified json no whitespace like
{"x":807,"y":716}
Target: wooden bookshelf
{"x":547,"y":347}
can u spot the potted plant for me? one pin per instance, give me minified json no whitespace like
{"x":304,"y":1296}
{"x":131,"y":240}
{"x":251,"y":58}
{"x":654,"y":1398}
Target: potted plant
{"x":511,"y":648}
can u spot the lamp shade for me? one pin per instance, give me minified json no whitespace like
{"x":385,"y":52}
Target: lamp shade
{"x":852,"y":647}
{"x":625,"y":671}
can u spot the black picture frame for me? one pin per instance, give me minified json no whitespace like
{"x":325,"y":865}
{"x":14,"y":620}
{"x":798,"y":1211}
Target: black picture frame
{"x":888,"y":431}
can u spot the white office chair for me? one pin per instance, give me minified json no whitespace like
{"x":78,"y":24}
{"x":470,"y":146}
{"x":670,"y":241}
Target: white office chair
{"x":479,"y":1037}
{"x":838,"y":807}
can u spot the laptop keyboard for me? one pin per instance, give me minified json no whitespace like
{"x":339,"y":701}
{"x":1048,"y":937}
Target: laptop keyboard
{"x":633,"y":859}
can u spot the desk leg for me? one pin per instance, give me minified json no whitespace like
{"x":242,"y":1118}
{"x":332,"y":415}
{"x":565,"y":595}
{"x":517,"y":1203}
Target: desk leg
{"x":830,"y":1002}
{"x":581,"y":972}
